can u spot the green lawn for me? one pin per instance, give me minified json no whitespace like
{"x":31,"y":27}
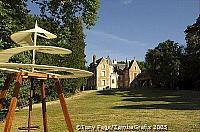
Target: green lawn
{"x":179,"y":110}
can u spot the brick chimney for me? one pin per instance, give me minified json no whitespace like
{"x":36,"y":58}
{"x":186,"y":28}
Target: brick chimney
{"x":94,"y":59}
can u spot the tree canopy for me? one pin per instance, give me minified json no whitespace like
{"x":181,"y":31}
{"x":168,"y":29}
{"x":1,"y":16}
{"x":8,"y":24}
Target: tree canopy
{"x":64,"y":18}
{"x":64,"y":11}
{"x":163,"y":64}
{"x":191,"y":59}
{"x":171,"y":65}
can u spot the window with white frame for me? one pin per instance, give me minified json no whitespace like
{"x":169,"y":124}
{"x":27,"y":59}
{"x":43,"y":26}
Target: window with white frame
{"x":103,"y":66}
{"x":113,"y":80}
{"x":103,"y":73}
{"x":103,"y":82}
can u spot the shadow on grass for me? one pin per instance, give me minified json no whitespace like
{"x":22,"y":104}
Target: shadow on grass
{"x":106,"y":92}
{"x":171,"y":106}
{"x":114,"y":92}
{"x":156,"y":99}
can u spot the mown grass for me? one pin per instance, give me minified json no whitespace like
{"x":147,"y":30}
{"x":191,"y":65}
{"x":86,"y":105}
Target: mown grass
{"x":179,"y":110}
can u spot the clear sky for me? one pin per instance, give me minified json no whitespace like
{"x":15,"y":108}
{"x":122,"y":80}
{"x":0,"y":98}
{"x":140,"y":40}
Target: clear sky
{"x":128,"y":28}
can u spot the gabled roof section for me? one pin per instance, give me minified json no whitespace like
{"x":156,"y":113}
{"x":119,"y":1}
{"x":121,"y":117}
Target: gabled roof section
{"x":99,"y":60}
{"x":132,"y":63}
{"x":92,"y":65}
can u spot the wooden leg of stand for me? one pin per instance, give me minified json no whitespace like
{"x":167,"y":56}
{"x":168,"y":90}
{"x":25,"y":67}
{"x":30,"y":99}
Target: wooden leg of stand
{"x":4,"y":90}
{"x":30,"y":105}
{"x":44,"y":110}
{"x":63,"y":105}
{"x":13,"y":103}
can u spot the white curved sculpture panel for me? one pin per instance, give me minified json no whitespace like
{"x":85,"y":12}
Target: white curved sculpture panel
{"x":74,"y":73}
{"x":24,"y":38}
{"x":5,"y":55}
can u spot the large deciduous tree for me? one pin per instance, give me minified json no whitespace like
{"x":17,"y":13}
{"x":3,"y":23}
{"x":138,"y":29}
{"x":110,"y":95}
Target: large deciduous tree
{"x":76,"y":59}
{"x":191,"y":60}
{"x":65,"y":18}
{"x":70,"y":16}
{"x":64,"y":11}
{"x":163,"y":63}
{"x":12,"y":17}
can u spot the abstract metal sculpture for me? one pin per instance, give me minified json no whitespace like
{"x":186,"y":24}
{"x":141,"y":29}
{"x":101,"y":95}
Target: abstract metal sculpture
{"x":40,"y":72}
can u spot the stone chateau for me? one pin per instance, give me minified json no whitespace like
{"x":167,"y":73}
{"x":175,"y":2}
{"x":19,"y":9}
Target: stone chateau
{"x":111,"y":74}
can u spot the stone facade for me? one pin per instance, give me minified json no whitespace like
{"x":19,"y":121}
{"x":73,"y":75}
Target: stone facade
{"x":103,"y":74}
{"x":134,"y":70}
{"x":110,"y":74}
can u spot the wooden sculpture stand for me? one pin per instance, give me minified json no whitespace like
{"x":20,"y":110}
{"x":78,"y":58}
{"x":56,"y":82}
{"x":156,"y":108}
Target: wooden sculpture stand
{"x":29,"y":75}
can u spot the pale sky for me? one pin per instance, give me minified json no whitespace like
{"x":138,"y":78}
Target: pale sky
{"x":128,"y":28}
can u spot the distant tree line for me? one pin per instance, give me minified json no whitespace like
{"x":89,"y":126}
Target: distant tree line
{"x":64,"y":18}
{"x":172,"y":66}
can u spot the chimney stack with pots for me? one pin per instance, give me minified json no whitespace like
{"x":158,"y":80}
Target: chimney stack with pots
{"x":94,"y":59}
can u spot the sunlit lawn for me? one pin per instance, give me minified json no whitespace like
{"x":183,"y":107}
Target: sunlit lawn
{"x":179,"y":110}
